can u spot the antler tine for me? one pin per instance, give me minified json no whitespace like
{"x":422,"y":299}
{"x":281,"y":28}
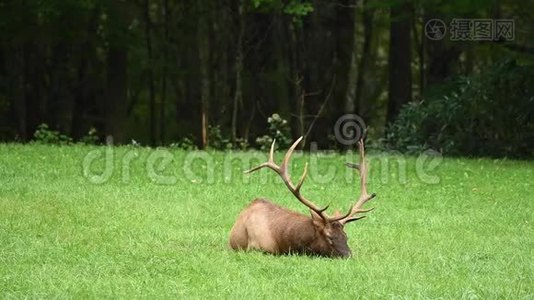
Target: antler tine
{"x":271,"y":152}
{"x":362,"y":168}
{"x":269,"y":164}
{"x":301,"y":180}
{"x":284,"y":174}
{"x":364,"y":196}
{"x":283,"y":166}
{"x":296,"y":189}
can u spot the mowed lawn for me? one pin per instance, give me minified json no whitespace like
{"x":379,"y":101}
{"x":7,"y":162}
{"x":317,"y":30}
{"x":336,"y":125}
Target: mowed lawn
{"x":145,"y":233}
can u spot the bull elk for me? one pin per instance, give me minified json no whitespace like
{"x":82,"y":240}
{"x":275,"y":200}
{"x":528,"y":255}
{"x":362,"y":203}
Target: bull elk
{"x":265,"y":226}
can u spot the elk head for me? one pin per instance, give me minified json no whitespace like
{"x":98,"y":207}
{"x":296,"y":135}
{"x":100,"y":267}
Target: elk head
{"x":329,"y":237}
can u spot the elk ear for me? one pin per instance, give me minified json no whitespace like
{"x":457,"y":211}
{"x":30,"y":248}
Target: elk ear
{"x":317,"y":220}
{"x":337,"y":225}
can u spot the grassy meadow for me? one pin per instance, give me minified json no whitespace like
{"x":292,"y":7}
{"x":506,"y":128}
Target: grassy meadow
{"x":156,"y":224}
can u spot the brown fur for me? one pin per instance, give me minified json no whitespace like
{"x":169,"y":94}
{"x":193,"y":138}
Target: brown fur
{"x":271,"y":228}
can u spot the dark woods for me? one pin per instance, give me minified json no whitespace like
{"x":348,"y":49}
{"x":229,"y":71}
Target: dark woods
{"x":211,"y":73}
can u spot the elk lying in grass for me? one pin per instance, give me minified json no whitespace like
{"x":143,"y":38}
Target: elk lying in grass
{"x":266,"y":226}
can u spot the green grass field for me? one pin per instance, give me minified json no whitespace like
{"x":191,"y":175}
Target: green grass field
{"x":142,"y":234}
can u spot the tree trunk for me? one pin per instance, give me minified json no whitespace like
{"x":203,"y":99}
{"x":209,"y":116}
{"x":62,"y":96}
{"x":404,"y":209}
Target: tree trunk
{"x":83,"y":86}
{"x":440,"y":54}
{"x":15,"y":69}
{"x":80,"y":94}
{"x":117,"y":70}
{"x":298,"y":80}
{"x":419,"y":40}
{"x":164,"y":75}
{"x":368,"y":16}
{"x":150,"y":74}
{"x":204,"y":59}
{"x":116,"y":91}
{"x":60,"y":105}
{"x":33,"y":80}
{"x":283,"y":67}
{"x":350,"y":94}
{"x":238,"y":97}
{"x":400,"y":73}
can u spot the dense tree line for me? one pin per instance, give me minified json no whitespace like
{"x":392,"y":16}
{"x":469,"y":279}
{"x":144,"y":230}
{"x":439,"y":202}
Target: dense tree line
{"x":159,"y":71}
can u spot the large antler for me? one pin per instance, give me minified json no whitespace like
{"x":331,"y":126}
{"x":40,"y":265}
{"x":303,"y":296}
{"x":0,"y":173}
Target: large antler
{"x":364,"y":196}
{"x":282,"y":171}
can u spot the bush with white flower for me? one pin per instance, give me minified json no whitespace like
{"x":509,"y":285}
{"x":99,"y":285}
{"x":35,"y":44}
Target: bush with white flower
{"x":279,"y":130}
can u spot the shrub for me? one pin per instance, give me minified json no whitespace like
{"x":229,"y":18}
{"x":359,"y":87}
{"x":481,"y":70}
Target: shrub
{"x":184,"y":144}
{"x":91,"y":138}
{"x":241,"y":144}
{"x":217,"y":139}
{"x":279,"y":130}
{"x":491,"y":114}
{"x":45,"y":135}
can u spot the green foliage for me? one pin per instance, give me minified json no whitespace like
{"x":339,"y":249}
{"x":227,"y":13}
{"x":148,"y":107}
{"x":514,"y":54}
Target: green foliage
{"x":217,"y":140}
{"x":298,"y":8}
{"x":241,"y":144}
{"x":91,"y":138}
{"x":491,"y":114}
{"x":295,"y":8}
{"x":185,"y":144}
{"x":279,"y":130}
{"x":292,"y":7}
{"x":45,"y":135}
{"x":64,"y":58}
